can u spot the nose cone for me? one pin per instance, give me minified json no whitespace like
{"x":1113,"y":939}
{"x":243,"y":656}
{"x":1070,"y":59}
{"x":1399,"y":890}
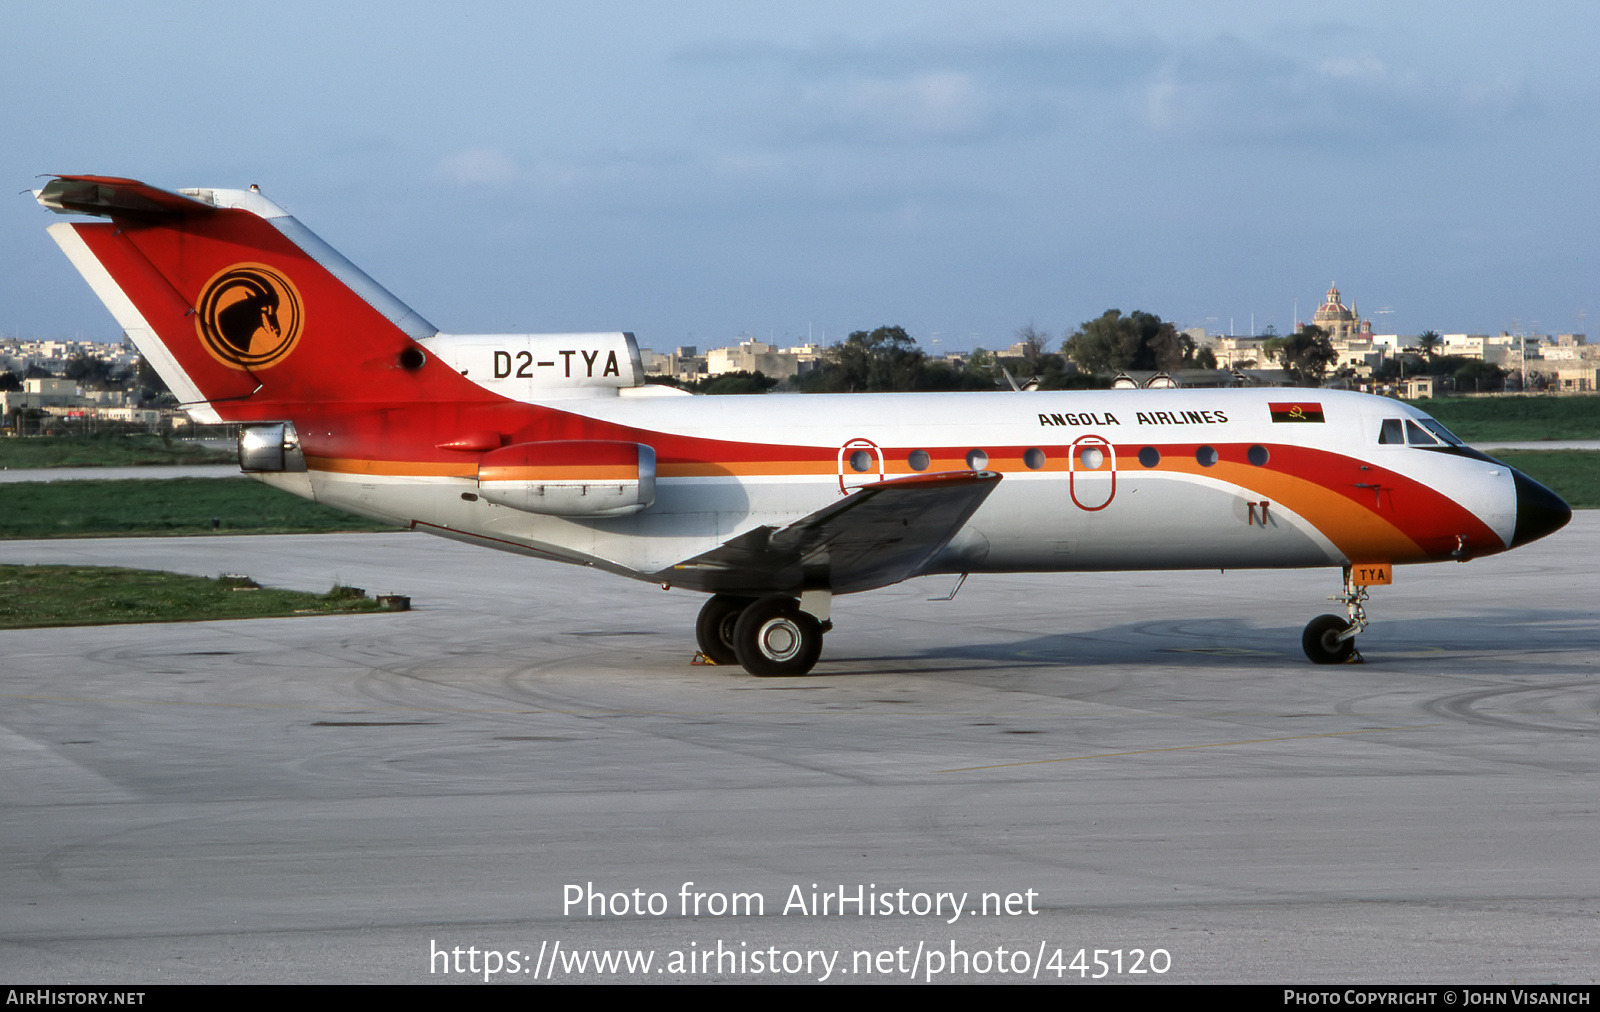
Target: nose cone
{"x":1539,"y":510}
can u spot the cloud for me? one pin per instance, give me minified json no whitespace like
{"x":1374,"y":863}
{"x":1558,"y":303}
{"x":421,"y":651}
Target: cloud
{"x":838,"y":92}
{"x":480,"y":166}
{"x":1314,"y":88}
{"x":928,"y":106}
{"x":1227,"y":91}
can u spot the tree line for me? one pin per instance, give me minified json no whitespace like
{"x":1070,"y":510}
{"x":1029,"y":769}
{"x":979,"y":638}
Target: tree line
{"x":889,"y":359}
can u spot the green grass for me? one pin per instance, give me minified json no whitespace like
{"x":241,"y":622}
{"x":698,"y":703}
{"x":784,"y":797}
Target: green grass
{"x":105,"y":449}
{"x":1574,"y":475}
{"x":1508,"y":419}
{"x":36,"y":596}
{"x":77,"y":509}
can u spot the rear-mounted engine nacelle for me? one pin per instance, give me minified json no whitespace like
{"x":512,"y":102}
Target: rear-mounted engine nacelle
{"x":570,"y":478}
{"x":270,"y":446}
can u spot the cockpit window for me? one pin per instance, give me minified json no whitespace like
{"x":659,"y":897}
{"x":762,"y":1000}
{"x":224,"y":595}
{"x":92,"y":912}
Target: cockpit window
{"x":1426,"y":434}
{"x":1415,"y":435}
{"x":1442,"y":432}
{"x":1422,"y":431}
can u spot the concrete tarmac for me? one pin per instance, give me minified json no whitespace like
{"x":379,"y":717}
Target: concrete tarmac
{"x":1134,"y":761}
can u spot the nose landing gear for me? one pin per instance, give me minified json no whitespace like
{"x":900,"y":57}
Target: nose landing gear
{"x":1329,"y":639}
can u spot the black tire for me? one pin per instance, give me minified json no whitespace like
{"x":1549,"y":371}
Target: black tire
{"x":1321,"y":640}
{"x":774,"y":637}
{"x":714,"y":628}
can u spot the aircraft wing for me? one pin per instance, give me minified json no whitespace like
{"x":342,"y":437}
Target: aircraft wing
{"x":880,"y":534}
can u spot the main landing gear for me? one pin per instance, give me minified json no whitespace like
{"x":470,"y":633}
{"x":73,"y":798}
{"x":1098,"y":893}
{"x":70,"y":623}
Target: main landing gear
{"x":766,"y":635}
{"x":1330,"y":639}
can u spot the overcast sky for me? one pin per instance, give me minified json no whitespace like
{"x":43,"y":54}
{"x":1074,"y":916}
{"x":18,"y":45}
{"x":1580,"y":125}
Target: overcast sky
{"x":695,"y":170}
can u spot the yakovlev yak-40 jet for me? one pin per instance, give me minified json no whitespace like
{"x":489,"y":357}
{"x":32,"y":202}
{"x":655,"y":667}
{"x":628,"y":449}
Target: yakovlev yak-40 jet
{"x":553,"y":446}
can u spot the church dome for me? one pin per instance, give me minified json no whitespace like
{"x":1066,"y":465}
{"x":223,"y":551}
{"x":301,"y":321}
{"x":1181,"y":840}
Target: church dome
{"x":1333,"y":317}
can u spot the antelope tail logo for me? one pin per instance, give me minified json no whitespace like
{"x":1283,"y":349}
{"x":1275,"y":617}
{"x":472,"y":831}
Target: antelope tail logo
{"x":248,"y":316}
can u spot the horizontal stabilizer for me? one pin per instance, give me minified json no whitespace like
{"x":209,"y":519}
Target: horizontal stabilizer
{"x":113,"y":196}
{"x":881,"y":534}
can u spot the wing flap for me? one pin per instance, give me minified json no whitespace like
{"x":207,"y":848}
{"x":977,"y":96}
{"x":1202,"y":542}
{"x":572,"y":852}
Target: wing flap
{"x":881,"y":534}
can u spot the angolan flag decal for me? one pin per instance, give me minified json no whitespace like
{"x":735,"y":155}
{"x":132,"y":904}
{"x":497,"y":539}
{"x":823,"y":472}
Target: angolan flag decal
{"x":1296,"y":412}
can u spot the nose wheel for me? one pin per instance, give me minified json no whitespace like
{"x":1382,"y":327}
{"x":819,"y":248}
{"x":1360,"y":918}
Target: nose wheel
{"x":1330,"y":639}
{"x":1325,"y":641}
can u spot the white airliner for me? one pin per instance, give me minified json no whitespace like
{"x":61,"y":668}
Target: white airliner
{"x":553,"y":446}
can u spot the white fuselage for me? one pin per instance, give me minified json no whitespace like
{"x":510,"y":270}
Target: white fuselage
{"x":1062,"y":515}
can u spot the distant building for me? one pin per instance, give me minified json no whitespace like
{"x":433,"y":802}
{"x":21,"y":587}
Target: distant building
{"x":18,"y":354}
{"x":1566,"y":348}
{"x":758,"y":356}
{"x":1479,"y":346}
{"x":1359,"y":356}
{"x":42,"y":392}
{"x":1577,"y":378}
{"x":1414,"y":388}
{"x":683,"y":364}
{"x":1240,"y":352}
{"x":1338,"y":321}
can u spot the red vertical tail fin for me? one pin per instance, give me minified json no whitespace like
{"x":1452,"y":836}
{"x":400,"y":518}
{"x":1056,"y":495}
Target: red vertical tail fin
{"x":238,"y":306}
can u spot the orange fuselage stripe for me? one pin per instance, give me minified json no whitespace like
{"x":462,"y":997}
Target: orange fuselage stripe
{"x":1354,"y":529}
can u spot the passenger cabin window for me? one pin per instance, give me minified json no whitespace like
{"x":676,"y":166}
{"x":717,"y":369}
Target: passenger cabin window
{"x":1393,"y":432}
